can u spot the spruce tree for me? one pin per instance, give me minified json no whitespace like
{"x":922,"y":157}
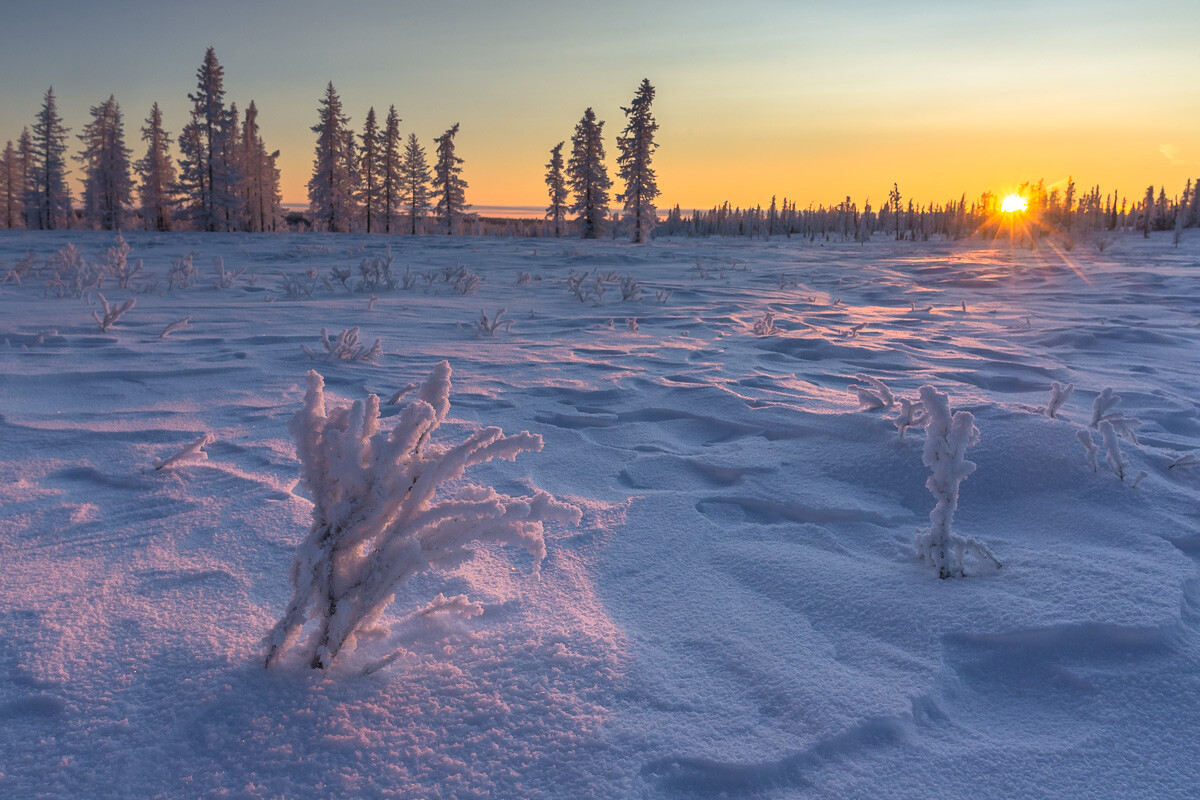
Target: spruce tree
{"x":25,"y":177}
{"x":260,"y":176}
{"x":157,"y":174}
{"x":331,"y":188}
{"x":107,"y":185}
{"x":415,"y":188}
{"x":588,"y":177}
{"x":391,"y":172}
{"x":448,"y":182}
{"x":369,"y":166}
{"x":636,"y":150}
{"x":556,"y":182}
{"x":208,"y":176}
{"x":48,"y":198}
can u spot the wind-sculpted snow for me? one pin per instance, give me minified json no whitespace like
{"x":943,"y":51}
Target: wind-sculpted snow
{"x":741,"y":610}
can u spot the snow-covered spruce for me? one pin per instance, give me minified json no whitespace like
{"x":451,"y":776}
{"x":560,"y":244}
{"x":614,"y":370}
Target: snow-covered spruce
{"x":377,"y":519}
{"x":1058,"y":396}
{"x":345,"y":347}
{"x":874,"y":395}
{"x":1102,"y":411}
{"x":946,"y":441}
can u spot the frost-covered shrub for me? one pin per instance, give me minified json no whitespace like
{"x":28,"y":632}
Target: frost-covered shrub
{"x":296,"y":287}
{"x":73,"y":275}
{"x":111,"y":313}
{"x":116,"y":262}
{"x":1058,"y":396}
{"x":1102,"y":412}
{"x":630,"y":290}
{"x":177,"y":325}
{"x":874,"y":395}
{"x":765,"y":325}
{"x":377,"y":516}
{"x":345,"y":347}
{"x":376,"y":273}
{"x":488,"y":327}
{"x":946,"y":441}
{"x":225,"y":279}
{"x":183,"y":273}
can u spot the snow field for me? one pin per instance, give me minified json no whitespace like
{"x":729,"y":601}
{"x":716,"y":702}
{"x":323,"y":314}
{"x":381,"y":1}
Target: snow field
{"x":739,"y":613}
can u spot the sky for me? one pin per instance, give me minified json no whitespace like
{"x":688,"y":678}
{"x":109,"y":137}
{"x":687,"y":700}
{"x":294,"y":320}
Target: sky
{"x":809,"y":101}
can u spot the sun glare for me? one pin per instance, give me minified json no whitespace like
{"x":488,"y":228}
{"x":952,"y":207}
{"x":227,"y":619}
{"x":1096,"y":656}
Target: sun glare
{"x":1013,"y":203}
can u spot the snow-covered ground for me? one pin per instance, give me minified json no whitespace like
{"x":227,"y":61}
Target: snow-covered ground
{"x":740,"y":612}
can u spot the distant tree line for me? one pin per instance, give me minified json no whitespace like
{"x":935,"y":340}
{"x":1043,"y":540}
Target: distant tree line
{"x":225,"y":179}
{"x":1066,"y":212}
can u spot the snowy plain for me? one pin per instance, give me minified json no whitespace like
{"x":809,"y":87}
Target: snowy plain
{"x":740,"y":612}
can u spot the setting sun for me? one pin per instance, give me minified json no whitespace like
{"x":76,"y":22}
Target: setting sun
{"x":1013,"y":203}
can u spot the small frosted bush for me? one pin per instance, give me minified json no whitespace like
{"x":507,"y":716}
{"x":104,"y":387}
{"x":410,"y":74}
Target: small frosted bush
{"x":946,"y":441}
{"x":1058,"y":395}
{"x":378,"y":519}
{"x":1102,"y":411}
{"x":345,"y":347}
{"x":874,"y":395}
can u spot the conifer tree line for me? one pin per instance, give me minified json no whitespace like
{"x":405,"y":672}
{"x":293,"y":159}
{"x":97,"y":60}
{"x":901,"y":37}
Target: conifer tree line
{"x":223,"y":178}
{"x":218,"y":175}
{"x":1064,"y":211}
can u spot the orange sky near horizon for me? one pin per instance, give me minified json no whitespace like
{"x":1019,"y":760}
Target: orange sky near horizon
{"x":768,"y":97}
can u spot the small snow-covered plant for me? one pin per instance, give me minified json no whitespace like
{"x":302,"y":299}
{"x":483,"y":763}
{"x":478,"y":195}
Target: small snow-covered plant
{"x":765,"y":325}
{"x":177,"y":325}
{"x":224,"y":279}
{"x":1112,"y":448}
{"x":190,"y":454}
{"x":1058,"y":396}
{"x":523,"y":278}
{"x":1089,"y":447}
{"x":466,"y":283}
{"x":632,"y":324}
{"x":1102,"y":412}
{"x":663,"y":295}
{"x":376,"y":273}
{"x":182,"y":273}
{"x":73,"y":274}
{"x":116,"y":262}
{"x":342,"y":275}
{"x":630,"y":291}
{"x":1185,"y":460}
{"x":1103,"y":243}
{"x":946,"y":441}
{"x":295,"y":287}
{"x":874,"y":395}
{"x":378,"y":518}
{"x":911,"y":416}
{"x":488,"y":327}
{"x":111,"y":313}
{"x":345,"y":347}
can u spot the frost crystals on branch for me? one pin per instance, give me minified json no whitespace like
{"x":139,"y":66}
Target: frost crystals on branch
{"x":912,"y":415}
{"x":112,"y":313}
{"x":1102,"y":412}
{"x":377,"y":520}
{"x":946,"y":441}
{"x":345,"y":347}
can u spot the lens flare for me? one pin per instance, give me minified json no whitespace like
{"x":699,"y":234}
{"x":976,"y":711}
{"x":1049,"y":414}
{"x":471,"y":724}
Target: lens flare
{"x":1013,"y":203}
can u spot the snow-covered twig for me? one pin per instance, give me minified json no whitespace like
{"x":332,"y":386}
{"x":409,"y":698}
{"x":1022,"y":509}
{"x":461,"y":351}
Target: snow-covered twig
{"x":1102,"y":412}
{"x":1058,"y":396}
{"x":1085,"y":438}
{"x":874,"y":395}
{"x":177,"y":325}
{"x":188,"y":455}
{"x":1112,"y":448}
{"x":1185,"y":460}
{"x":224,"y":279}
{"x":111,"y":313}
{"x":911,"y":416}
